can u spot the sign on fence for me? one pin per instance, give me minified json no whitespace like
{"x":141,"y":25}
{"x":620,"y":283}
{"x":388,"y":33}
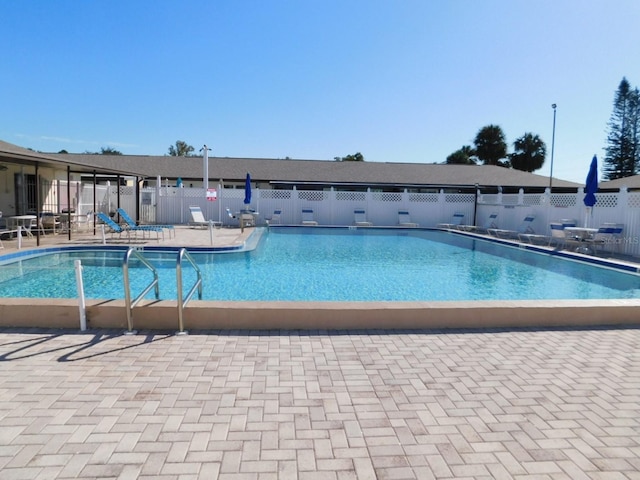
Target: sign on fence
{"x":212,"y":194}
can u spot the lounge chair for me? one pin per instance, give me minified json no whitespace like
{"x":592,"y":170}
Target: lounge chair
{"x":607,"y":234}
{"x":404,"y":219}
{"x":119,"y":229}
{"x":490,"y":223}
{"x":198,"y":220}
{"x":360,"y":218}
{"x":275,"y":218}
{"x":456,"y":220}
{"x":524,"y":229}
{"x":307,"y":217}
{"x":132,"y":224}
{"x":49,"y":221}
{"x":559,"y":236}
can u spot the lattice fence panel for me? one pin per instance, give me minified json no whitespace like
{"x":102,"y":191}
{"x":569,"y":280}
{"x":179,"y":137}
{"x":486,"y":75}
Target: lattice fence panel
{"x":510,"y":199}
{"x":490,"y":198}
{"x":387,"y":196}
{"x":459,"y":198}
{"x":532,"y":200}
{"x":606,"y":200}
{"x":193,"y":193}
{"x":351,"y":196}
{"x":127,"y":190}
{"x":424,"y":197}
{"x":233,"y":193}
{"x":563,"y":200}
{"x":312,"y":196}
{"x":633,"y":200}
{"x":276,"y":194}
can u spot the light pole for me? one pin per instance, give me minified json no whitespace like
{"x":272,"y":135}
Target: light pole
{"x":205,"y":167}
{"x":553,"y":143}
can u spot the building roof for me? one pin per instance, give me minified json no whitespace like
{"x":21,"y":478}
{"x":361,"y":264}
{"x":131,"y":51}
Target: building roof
{"x":288,"y":171}
{"x":632,"y":182}
{"x":318,"y":171}
{"x":14,"y":154}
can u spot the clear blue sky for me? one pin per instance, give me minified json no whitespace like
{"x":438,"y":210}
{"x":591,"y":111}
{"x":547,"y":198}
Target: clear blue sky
{"x":398,"y":81}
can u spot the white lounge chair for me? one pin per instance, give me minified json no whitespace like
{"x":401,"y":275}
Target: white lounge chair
{"x":404,"y":219}
{"x":197,"y":217}
{"x":307,"y":217}
{"x":456,"y":220}
{"x":360,"y":218}
{"x":558,"y":236}
{"x":275,"y":218}
{"x":524,"y":229}
{"x":490,"y":223}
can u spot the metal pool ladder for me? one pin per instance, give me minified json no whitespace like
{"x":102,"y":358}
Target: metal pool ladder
{"x":129,"y":304}
{"x":182,"y":302}
{"x":183,"y":254}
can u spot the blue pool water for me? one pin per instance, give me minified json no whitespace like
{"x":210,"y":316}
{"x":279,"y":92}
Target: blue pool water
{"x":335,"y":265}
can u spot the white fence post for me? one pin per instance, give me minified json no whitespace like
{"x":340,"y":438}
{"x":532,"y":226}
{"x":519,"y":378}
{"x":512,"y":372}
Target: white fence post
{"x":81,"y":299}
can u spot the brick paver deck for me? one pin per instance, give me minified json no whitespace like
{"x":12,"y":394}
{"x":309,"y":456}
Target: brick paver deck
{"x":548,"y":404}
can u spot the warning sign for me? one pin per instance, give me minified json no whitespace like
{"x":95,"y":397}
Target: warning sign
{"x":212,"y":194}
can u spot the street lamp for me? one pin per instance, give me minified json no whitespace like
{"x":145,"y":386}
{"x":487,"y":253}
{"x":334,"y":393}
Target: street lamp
{"x":205,"y":167}
{"x":553,"y":142}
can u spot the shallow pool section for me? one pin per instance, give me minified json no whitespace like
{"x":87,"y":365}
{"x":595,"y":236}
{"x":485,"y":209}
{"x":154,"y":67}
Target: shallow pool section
{"x":317,"y":264}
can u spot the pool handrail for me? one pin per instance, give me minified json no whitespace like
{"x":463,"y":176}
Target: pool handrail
{"x":182,"y":302}
{"x":129,"y":304}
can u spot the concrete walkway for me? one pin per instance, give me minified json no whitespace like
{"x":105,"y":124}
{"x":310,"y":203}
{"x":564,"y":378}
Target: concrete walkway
{"x":526,"y":404}
{"x":266,"y":405}
{"x":180,"y":235}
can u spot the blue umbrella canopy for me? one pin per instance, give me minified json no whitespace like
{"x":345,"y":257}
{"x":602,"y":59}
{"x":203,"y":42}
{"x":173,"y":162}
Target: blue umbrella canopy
{"x":247,"y":189}
{"x":591,"y":186}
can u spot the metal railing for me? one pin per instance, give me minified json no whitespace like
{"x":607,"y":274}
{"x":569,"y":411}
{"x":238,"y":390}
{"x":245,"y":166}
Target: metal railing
{"x":183,"y":254}
{"x":129,"y":304}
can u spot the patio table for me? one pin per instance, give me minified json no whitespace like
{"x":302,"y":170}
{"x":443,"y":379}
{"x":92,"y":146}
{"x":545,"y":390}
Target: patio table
{"x":581,"y":234}
{"x":24,"y":221}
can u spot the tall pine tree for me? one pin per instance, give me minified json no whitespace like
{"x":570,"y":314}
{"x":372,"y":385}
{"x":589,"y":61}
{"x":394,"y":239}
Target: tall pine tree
{"x":623,"y":134}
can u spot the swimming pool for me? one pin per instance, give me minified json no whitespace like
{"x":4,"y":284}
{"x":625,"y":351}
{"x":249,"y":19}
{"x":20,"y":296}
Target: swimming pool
{"x":334,"y":265}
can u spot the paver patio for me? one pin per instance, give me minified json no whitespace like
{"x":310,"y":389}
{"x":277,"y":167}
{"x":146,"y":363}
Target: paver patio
{"x":544,"y":404}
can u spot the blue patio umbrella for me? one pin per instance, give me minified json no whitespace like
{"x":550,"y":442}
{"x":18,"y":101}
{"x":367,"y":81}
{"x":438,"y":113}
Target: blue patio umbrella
{"x":247,"y":189}
{"x":591,"y":187}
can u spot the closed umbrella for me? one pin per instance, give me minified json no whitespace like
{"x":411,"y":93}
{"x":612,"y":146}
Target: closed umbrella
{"x":590,"y":188}
{"x":247,"y":189}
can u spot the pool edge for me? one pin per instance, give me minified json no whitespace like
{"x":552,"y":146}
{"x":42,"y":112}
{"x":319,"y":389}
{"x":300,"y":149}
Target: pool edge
{"x":216,"y":315}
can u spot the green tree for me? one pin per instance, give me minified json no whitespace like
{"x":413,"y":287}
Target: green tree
{"x":529,"y":153}
{"x":490,"y":145}
{"x":109,"y":151}
{"x":462,"y":156}
{"x":103,"y":151}
{"x":623,"y":136}
{"x":181,"y":149}
{"x":357,"y":157}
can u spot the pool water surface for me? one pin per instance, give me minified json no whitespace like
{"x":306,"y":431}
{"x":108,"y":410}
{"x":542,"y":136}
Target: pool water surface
{"x":317,"y":264}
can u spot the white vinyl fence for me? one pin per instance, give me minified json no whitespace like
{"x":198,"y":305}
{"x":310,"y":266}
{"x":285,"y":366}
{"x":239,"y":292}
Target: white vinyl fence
{"x":170,"y":205}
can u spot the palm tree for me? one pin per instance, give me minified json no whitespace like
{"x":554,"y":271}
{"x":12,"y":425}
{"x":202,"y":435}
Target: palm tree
{"x":529,"y":153}
{"x":465,"y":156}
{"x":490,"y":145}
